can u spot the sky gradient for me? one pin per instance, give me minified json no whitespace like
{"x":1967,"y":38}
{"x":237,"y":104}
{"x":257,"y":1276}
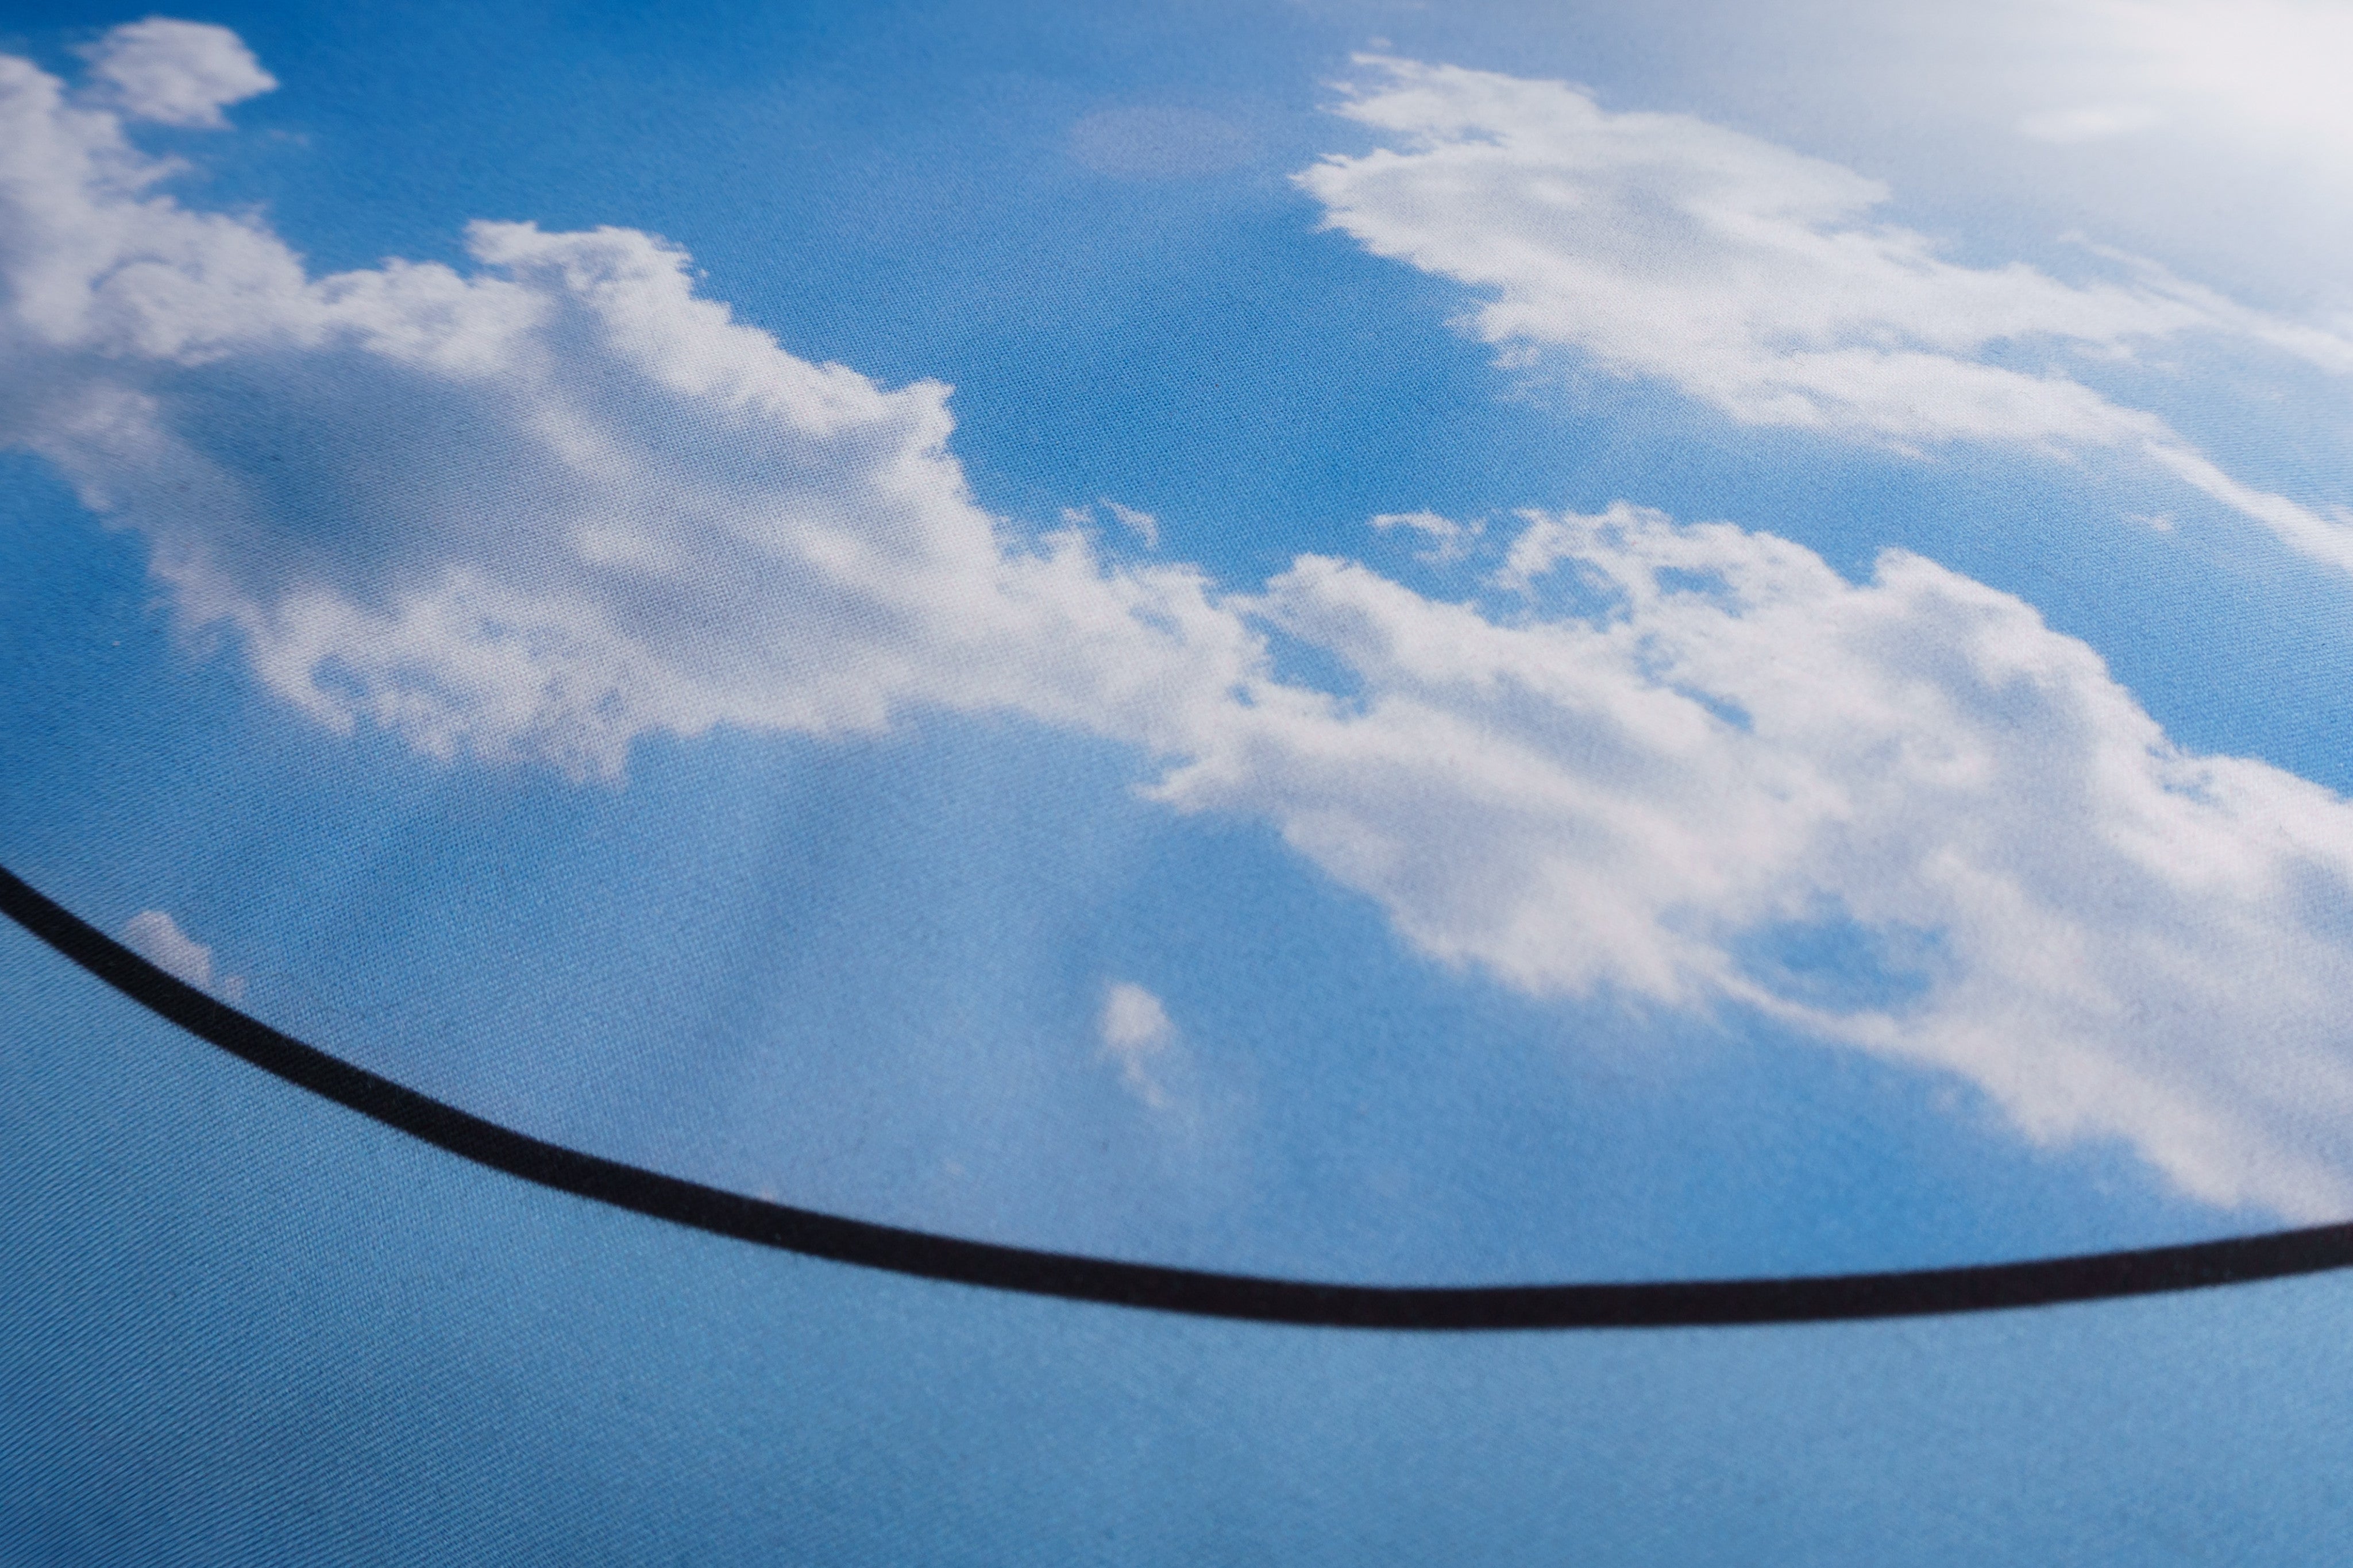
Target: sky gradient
{"x":1442,"y":644}
{"x":1342,"y":647}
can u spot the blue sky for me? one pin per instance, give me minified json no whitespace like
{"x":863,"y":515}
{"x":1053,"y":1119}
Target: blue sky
{"x":829,"y":900}
{"x":244,"y":1325}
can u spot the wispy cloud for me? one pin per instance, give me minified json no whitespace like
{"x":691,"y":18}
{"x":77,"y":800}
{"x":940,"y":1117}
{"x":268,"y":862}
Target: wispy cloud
{"x":2271,"y":67}
{"x":2087,"y":123}
{"x":1141,"y":525}
{"x":1755,"y":279}
{"x":1158,"y":142}
{"x":1448,"y":541}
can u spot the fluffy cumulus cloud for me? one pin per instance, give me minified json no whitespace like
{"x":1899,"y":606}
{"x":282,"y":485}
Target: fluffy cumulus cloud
{"x":545,"y":506}
{"x":1694,"y":765}
{"x":539,"y":506}
{"x":1755,"y":279}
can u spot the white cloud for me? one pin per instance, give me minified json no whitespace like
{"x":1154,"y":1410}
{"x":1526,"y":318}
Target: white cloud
{"x":1903,"y":814}
{"x":1753,"y":279}
{"x":1136,"y":1032}
{"x":176,"y":73}
{"x":156,"y":937}
{"x":542,"y":506}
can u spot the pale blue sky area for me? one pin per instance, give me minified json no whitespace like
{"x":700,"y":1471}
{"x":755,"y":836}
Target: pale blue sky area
{"x":246,"y":1326}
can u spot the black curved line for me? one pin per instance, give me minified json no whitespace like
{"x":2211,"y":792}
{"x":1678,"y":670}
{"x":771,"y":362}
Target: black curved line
{"x":1798,"y":1299}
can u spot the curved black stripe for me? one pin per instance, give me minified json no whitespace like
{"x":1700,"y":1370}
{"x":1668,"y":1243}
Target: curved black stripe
{"x":1798,"y":1299}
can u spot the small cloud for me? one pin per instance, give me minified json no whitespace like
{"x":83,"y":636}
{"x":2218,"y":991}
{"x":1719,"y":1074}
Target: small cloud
{"x":1158,"y":144}
{"x":1135,"y":1030}
{"x":1143,"y":524}
{"x":2091,"y":123}
{"x":1448,"y":541}
{"x":157,"y":938}
{"x":176,"y":73}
